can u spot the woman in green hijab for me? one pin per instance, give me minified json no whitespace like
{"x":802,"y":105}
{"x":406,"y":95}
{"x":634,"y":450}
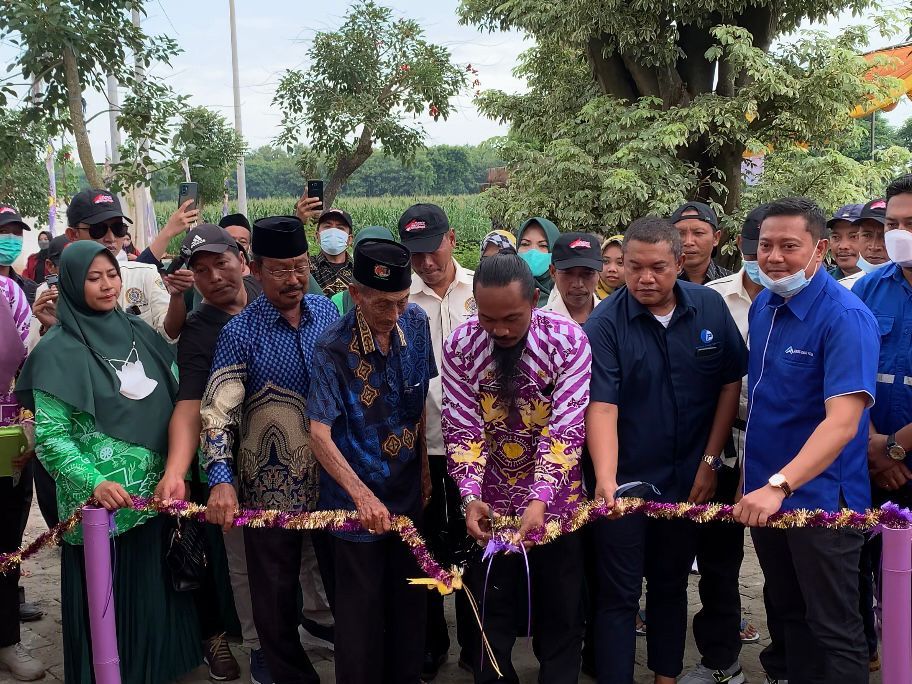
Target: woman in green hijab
{"x":102,"y":387}
{"x":535,"y":240}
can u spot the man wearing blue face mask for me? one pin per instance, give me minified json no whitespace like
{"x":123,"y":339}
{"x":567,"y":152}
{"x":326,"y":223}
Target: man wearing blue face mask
{"x":332,"y":267}
{"x":872,"y":254}
{"x":813,"y":360}
{"x":11,"y":227}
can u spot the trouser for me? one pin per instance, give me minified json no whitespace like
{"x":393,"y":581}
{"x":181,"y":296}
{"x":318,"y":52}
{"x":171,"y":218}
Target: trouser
{"x":629,"y":549}
{"x":720,"y":551}
{"x":380,"y":617}
{"x":46,"y":492}
{"x":274,"y":567}
{"x":13,"y":506}
{"x":556,"y":574}
{"x":811,"y":588}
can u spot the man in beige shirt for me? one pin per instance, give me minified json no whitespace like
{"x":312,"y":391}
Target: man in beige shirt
{"x":443,"y":289}
{"x":576,"y":262}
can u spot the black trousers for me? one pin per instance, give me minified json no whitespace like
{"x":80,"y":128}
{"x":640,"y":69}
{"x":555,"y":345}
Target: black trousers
{"x":811,"y":589}
{"x":629,"y":549}
{"x":273,"y":569}
{"x":13,"y":508}
{"x":380,"y":618}
{"x":720,"y":551}
{"x":556,"y":572}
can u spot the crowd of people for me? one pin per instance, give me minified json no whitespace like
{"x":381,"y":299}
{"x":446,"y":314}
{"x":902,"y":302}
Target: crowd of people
{"x":382,"y":376}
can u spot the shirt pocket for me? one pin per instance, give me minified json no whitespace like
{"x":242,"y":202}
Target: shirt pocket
{"x":709,"y":359}
{"x":413,"y":396}
{"x":885,"y":324}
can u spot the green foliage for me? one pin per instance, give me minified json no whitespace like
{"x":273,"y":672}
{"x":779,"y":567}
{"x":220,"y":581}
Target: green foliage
{"x":858,"y":145}
{"x":23,"y":177}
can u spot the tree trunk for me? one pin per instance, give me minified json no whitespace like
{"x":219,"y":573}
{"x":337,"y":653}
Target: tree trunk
{"x":77,"y":118}
{"x":347,"y":165}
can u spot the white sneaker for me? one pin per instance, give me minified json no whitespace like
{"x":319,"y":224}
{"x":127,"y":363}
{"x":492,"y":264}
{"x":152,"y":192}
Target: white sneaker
{"x":703,"y":675}
{"x":20,"y":663}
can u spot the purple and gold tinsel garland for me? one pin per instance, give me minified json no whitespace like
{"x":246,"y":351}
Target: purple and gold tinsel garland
{"x":446,"y":580}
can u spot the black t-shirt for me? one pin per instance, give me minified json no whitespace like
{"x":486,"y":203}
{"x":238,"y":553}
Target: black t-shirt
{"x":196,"y":347}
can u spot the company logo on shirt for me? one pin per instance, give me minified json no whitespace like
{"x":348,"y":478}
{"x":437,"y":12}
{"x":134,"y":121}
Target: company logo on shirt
{"x":706,"y":336}
{"x":415,"y":226}
{"x":801,"y":352}
{"x":102,"y":199}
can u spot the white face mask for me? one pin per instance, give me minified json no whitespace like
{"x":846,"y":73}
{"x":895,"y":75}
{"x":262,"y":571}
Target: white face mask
{"x":790,"y":285}
{"x":899,"y":247}
{"x":134,"y":383}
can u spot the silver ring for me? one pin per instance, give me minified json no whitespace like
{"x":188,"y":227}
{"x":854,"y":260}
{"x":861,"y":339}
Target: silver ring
{"x":371,"y":531}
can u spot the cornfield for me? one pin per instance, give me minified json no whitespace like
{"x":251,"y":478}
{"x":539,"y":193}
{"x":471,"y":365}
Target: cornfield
{"x":465,"y":212}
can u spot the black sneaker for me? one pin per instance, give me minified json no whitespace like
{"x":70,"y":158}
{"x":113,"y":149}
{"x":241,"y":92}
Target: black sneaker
{"x":29,"y":612}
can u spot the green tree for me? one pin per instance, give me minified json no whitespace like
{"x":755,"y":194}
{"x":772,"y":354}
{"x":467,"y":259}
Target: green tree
{"x":364,"y":82}
{"x":68,"y":46}
{"x":383,"y":174}
{"x":632,"y":107}
{"x":273,"y":172}
{"x":858,"y":146}
{"x":23,"y":177}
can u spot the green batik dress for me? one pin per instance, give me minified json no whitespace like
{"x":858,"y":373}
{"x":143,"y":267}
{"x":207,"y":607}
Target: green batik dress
{"x":157,"y":628}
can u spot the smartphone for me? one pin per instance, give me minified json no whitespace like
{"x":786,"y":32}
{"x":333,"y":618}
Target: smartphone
{"x":12,"y":443}
{"x":188,"y":191}
{"x":52,"y":279}
{"x":315,"y":189}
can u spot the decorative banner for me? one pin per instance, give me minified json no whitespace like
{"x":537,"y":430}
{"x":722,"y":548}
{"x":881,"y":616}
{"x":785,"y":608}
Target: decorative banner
{"x":52,"y":186}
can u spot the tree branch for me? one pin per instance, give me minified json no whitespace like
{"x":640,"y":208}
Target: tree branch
{"x":696,"y":71}
{"x":77,"y":119}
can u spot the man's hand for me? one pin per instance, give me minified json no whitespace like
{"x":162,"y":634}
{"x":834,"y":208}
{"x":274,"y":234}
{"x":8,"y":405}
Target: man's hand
{"x":704,"y":486}
{"x":308,"y":209}
{"x":181,"y":220}
{"x":222,"y":505}
{"x":533,"y":518}
{"x":885,"y":472}
{"x":178,"y":282}
{"x":171,"y":487}
{"x":375,"y":518}
{"x":605,"y":489}
{"x":478,"y":520}
{"x":112,"y":496}
{"x":755,"y":508}
{"x":20,"y":461}
{"x":45,"y":308}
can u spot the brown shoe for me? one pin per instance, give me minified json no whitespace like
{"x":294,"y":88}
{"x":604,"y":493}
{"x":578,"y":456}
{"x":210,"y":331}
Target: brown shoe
{"x":217,"y":655}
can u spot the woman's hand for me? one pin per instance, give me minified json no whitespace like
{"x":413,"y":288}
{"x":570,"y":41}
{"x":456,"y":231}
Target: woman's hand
{"x":112,"y":496}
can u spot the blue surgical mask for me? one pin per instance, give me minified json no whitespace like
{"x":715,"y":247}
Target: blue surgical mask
{"x":10,"y":249}
{"x":752,"y":268}
{"x":333,"y":240}
{"x":537,"y":261}
{"x":867,"y":267}
{"x":790,"y":285}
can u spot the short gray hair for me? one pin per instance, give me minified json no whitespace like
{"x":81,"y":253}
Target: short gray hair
{"x":653,"y":230}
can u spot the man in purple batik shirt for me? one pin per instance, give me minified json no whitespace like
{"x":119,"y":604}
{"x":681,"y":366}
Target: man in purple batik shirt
{"x":515,"y":389}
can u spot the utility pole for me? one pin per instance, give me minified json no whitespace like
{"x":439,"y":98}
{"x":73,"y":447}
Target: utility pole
{"x":241,"y":170}
{"x":873,"y":122}
{"x":113,"y":110}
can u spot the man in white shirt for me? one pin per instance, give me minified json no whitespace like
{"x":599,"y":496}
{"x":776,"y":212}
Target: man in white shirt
{"x":443,"y":288}
{"x":576,"y":262}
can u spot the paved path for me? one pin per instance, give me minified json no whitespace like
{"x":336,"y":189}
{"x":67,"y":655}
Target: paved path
{"x":43,"y":637}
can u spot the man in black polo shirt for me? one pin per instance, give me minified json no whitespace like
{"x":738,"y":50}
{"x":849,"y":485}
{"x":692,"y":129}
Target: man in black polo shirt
{"x":666,"y":379}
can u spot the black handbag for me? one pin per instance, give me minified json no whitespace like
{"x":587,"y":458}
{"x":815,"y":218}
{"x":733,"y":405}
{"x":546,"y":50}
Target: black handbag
{"x":185,"y":554}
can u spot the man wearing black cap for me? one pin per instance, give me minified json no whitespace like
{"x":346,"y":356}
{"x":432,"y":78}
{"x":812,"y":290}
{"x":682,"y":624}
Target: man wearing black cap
{"x":260,"y":379}
{"x":96,"y":215}
{"x":576,"y":261}
{"x":700,"y":233}
{"x":332,"y":267}
{"x":11,"y":227}
{"x":44,"y":310}
{"x":872,"y":249}
{"x":844,"y":240}
{"x":238,"y":227}
{"x":371,"y":372}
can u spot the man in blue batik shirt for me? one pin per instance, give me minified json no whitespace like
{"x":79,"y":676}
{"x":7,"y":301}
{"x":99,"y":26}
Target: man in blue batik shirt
{"x":811,"y":376}
{"x":370,"y":380}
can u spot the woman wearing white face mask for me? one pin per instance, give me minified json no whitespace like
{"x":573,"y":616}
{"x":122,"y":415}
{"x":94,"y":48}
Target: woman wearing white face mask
{"x":102,"y":389}
{"x":332,"y":267}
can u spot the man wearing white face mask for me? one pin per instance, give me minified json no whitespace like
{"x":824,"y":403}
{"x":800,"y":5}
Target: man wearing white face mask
{"x":812,"y":367}
{"x":332,"y":267}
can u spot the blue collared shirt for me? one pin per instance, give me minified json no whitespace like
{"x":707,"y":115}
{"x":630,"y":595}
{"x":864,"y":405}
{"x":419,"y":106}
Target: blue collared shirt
{"x":821,"y":343}
{"x":889,"y":297}
{"x":664,"y":381}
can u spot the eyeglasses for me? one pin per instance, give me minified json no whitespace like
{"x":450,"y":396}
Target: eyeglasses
{"x":282,"y":274}
{"x":99,"y":230}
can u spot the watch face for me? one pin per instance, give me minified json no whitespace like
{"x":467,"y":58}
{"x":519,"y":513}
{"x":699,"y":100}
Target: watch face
{"x":896,"y":452}
{"x":777,"y":480}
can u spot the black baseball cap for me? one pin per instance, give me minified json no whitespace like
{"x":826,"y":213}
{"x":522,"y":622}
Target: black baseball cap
{"x":55,"y":248}
{"x":336,"y":213}
{"x":750,"y":230}
{"x":577,"y":249}
{"x":875,"y":210}
{"x":848,"y":212}
{"x":94,"y":206}
{"x":696,"y":210}
{"x":9,"y":214}
{"x":234,"y":220}
{"x":207,"y":237}
{"x":422,"y":227}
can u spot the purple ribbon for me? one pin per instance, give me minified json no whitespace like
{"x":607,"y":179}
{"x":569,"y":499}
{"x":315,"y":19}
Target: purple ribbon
{"x":502,"y":545}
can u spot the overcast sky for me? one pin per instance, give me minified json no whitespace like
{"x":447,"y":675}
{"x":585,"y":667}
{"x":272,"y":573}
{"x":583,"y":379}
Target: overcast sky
{"x":274,"y":35}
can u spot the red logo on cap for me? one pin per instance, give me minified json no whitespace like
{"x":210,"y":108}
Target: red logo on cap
{"x":102,"y":199}
{"x":415,"y":226}
{"x":580,"y":243}
{"x":381,"y":271}
{"x":879,"y":204}
{"x":7,"y":210}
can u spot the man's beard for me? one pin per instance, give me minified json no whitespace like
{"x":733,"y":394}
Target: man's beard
{"x":506,"y":360}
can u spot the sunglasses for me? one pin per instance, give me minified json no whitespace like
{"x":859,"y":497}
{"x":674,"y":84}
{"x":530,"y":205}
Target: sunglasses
{"x":99,"y":230}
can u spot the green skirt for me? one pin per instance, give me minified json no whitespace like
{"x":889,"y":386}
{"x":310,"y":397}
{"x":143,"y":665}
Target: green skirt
{"x":157,"y":629}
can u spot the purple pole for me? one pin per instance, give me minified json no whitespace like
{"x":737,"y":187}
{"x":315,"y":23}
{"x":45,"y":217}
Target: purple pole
{"x":100,"y":589}
{"x":896,"y":582}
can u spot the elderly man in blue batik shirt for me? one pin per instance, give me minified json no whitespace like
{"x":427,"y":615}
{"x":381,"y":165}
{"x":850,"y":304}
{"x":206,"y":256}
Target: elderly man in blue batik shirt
{"x":812,"y":366}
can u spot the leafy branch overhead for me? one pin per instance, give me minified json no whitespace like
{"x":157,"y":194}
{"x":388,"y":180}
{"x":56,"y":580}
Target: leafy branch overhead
{"x":367,"y":83}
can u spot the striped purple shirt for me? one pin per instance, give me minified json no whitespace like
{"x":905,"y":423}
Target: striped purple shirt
{"x":12,"y":295}
{"x":532,"y":451}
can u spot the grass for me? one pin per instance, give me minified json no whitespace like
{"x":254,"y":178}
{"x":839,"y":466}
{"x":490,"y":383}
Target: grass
{"x":465,"y":213}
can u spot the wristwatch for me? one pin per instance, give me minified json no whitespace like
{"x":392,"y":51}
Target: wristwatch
{"x":894,"y":450}
{"x":466,"y":500}
{"x":778,"y":481}
{"x":714,"y":462}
